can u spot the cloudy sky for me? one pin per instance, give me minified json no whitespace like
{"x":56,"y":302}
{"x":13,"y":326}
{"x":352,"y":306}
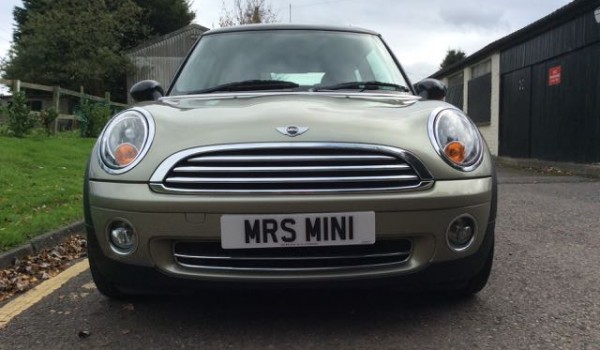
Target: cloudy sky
{"x":419,"y":32}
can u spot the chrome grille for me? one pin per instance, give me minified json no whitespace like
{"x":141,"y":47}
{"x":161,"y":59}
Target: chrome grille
{"x":210,"y":256}
{"x":291,"y":168}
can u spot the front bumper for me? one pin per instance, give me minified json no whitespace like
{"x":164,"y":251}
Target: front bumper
{"x":160,"y":220}
{"x":434,"y":276}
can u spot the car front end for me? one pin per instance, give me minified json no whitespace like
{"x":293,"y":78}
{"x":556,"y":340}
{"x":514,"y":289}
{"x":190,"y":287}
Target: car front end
{"x":296,"y":187}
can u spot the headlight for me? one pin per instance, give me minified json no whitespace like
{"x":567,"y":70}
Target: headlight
{"x":456,"y":139}
{"x":125,"y":140}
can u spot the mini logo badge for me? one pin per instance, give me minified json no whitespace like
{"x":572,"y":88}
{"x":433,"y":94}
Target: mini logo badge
{"x":292,"y":130}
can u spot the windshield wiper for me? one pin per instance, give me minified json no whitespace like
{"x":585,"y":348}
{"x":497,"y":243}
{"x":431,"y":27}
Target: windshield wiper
{"x":248,"y":85}
{"x":362,"y":86}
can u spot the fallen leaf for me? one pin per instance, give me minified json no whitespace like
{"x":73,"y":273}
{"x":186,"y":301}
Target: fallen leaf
{"x":28,"y":271}
{"x":90,"y":286}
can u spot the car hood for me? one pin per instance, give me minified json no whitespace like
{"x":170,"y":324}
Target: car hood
{"x":194,"y":121}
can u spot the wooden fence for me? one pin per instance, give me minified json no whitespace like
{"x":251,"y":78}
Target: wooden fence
{"x":57,"y":92}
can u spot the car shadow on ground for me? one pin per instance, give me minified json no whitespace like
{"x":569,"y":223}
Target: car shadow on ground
{"x":294,"y":307}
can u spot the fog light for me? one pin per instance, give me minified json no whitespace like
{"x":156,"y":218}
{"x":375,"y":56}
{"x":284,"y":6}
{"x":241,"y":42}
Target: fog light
{"x":461,"y":232}
{"x":122,"y":237}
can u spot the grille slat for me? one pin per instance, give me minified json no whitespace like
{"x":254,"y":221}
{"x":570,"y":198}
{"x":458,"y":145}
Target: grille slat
{"x":287,"y":258}
{"x":207,"y":169}
{"x":275,"y":158}
{"x":252,"y":180}
{"x":210,"y":256}
{"x":289,"y":168}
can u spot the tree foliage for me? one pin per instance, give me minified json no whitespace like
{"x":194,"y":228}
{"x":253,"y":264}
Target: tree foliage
{"x":165,"y":16}
{"x":71,"y":43}
{"x":452,"y":57}
{"x":75,"y":43}
{"x":247,"y":12}
{"x":21,"y":14}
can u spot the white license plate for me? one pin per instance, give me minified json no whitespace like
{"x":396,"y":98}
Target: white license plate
{"x":297,"y":230}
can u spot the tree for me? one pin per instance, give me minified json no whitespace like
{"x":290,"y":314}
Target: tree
{"x":75,"y":43}
{"x":248,"y":12}
{"x":452,"y":56}
{"x":131,"y":25}
{"x":166,"y":16}
{"x":70,"y":43}
{"x":138,"y":20}
{"x":21,"y":14}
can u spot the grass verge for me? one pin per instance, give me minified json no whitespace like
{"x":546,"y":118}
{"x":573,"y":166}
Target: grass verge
{"x":41,"y":180}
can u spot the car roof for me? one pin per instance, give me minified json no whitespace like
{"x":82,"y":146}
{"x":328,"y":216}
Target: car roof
{"x":258,"y":27}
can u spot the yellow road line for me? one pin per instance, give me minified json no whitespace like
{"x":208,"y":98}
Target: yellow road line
{"x":25,"y":301}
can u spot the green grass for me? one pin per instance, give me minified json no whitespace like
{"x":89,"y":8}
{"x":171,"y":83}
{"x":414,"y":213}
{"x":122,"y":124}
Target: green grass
{"x":41,"y":181}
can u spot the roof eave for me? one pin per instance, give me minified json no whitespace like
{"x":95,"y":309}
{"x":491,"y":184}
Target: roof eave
{"x":556,"y":18}
{"x":153,"y":41}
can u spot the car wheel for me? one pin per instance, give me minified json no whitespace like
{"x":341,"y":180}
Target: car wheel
{"x":104,"y":285}
{"x":477,"y":282}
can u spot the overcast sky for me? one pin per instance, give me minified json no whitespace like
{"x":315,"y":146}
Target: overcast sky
{"x":419,"y":32}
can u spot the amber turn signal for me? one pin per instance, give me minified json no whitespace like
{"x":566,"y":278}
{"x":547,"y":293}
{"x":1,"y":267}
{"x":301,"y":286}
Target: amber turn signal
{"x":125,"y":154}
{"x":455,"y":151}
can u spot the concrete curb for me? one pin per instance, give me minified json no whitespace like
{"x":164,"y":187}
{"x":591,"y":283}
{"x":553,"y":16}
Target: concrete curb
{"x":587,"y":170}
{"x":39,"y":243}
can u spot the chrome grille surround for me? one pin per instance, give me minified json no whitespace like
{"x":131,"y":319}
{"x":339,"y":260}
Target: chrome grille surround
{"x":290,"y":167}
{"x":210,"y":256}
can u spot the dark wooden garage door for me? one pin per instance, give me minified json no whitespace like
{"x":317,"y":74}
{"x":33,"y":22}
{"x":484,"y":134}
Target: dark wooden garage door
{"x":515,"y":114}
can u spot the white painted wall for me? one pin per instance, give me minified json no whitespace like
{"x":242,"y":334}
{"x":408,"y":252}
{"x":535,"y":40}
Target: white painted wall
{"x":466,"y":78}
{"x":491,"y":132}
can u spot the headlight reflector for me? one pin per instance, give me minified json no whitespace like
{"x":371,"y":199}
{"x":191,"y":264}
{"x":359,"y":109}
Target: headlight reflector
{"x":456,"y":139}
{"x":125,"y":140}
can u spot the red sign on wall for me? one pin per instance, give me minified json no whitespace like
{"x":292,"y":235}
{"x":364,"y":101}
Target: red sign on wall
{"x":554,"y":75}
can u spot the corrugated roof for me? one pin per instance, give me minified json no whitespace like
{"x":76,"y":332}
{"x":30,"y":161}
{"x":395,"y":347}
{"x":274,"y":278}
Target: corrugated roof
{"x":556,"y":18}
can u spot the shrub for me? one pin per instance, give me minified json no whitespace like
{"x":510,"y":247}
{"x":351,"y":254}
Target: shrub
{"x":4,"y":130}
{"x":47,"y":118}
{"x":92,"y":117}
{"x":19,"y":120}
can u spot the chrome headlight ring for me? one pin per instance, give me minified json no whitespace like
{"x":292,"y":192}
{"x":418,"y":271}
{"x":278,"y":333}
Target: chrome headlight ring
{"x":125,"y":140}
{"x":455,"y":138}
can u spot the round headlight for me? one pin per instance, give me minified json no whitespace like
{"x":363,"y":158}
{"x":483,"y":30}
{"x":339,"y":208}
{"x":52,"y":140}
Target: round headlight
{"x":456,"y":139}
{"x":125,"y":140}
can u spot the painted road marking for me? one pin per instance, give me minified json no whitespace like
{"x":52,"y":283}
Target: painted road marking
{"x":25,"y":301}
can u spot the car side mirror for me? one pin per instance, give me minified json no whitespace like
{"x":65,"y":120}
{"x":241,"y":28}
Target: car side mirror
{"x":146,"y":90}
{"x":431,"y":89}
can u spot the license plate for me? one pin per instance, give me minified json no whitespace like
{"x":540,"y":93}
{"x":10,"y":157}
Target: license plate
{"x":297,"y":230}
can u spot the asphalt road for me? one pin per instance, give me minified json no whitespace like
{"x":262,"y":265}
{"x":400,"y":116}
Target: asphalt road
{"x":544,"y":293}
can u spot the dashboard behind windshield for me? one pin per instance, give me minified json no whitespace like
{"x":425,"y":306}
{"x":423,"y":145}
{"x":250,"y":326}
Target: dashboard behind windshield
{"x":309,"y":58}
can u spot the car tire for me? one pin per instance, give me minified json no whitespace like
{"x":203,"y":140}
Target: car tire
{"x":477,"y":282}
{"x":104,"y":285}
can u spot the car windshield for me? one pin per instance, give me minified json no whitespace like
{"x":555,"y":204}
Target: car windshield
{"x":289,"y":60}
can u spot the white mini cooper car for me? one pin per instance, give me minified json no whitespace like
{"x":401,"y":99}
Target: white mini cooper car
{"x":286,"y":155}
